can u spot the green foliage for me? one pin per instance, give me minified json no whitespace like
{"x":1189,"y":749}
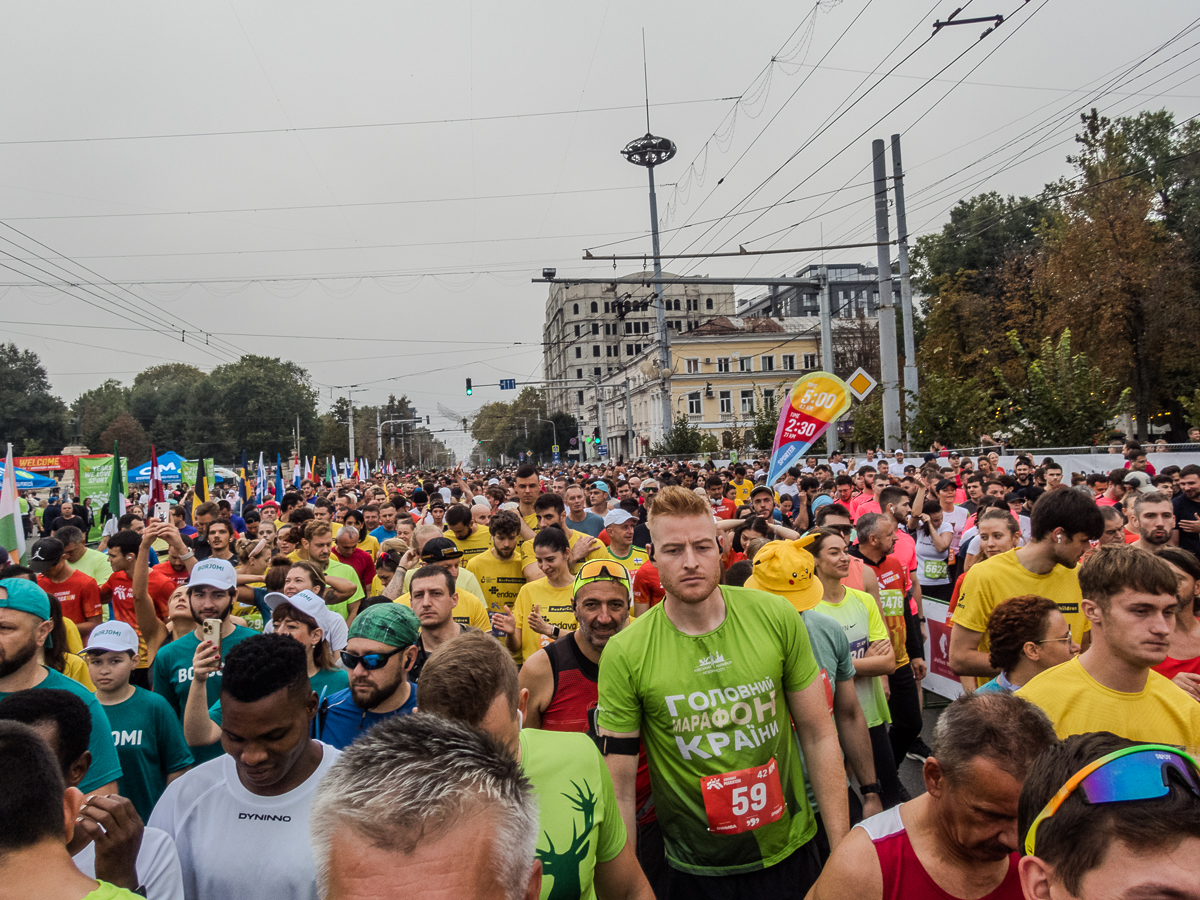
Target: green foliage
{"x":93,"y":411}
{"x":1191,"y":408}
{"x":161,"y":399}
{"x":951,"y":410}
{"x":684,"y":439}
{"x":258,"y":400}
{"x":522,"y":426}
{"x":766,"y":419}
{"x":868,"y":421}
{"x":1065,"y":400}
{"x":131,"y":435}
{"x":28,"y":411}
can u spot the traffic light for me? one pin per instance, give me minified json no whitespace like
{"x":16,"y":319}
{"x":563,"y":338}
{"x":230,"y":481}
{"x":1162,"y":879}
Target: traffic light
{"x":595,"y":435}
{"x":470,"y":390}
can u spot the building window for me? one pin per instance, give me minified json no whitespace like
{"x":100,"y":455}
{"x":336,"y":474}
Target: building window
{"x":629,"y":328}
{"x":768,"y":399}
{"x":576,"y":310}
{"x":637,"y":348}
{"x":841,"y":361}
{"x":595,"y":306}
{"x":607,"y":350}
{"x":579,"y":373}
{"x":629,"y":349}
{"x":693,"y":366}
{"x":578,"y":352}
{"x":768,"y":364}
{"x":595,"y":349}
{"x":676,"y":306}
{"x":694,"y":408}
{"x":810,"y":360}
{"x":722,"y":363}
{"x":747,"y":403}
{"x":579,"y":394}
{"x":726,"y":398}
{"x":708,"y":304}
{"x":606,"y":306}
{"x":746,"y":364}
{"x":595,"y":328}
{"x":788,"y":362}
{"x":596,"y":371}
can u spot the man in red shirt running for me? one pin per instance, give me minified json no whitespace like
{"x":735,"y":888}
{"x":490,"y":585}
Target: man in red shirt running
{"x":960,"y":838}
{"x":77,"y":593}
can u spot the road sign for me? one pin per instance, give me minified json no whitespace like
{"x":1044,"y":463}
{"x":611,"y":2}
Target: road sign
{"x":556,"y":454}
{"x":508,"y":384}
{"x":554,"y":449}
{"x":574,"y":441}
{"x":604,"y":449}
{"x":861,"y":383}
{"x":522,"y":455}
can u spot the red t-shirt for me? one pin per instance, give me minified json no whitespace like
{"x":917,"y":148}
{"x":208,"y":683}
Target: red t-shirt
{"x":119,"y":589}
{"x":364,"y":568}
{"x":79,"y":595}
{"x":164,"y":568}
{"x":1169,"y":667}
{"x":647,"y":586}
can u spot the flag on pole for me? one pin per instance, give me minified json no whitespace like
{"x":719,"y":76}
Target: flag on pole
{"x":12,"y":530}
{"x":329,"y":471}
{"x":278,"y":478}
{"x":296,"y":474}
{"x":201,"y":494}
{"x":243,"y":488}
{"x":157,"y":494}
{"x":116,"y":491}
{"x":260,"y":480}
{"x":815,"y":402}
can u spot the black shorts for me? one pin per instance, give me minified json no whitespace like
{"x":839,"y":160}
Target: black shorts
{"x":787,"y":880}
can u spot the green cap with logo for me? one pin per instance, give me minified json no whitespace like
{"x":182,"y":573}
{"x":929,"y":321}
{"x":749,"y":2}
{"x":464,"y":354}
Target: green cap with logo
{"x":389,"y":623}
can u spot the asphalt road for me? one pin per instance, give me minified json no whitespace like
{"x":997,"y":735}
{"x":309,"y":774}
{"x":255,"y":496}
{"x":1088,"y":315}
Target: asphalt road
{"x":910,"y":770}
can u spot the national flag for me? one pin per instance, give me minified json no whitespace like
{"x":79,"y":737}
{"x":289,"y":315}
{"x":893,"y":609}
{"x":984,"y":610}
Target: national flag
{"x":201,"y":494}
{"x":116,"y":490}
{"x":157,"y":494}
{"x":12,"y":530}
{"x":296,"y":473}
{"x":243,"y":487}
{"x":260,"y":480}
{"x":329,"y":471}
{"x":307,"y":468}
{"x":278,"y":478}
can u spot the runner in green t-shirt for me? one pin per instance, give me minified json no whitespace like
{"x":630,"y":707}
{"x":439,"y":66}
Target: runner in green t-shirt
{"x":713,"y":679}
{"x":145,"y":730}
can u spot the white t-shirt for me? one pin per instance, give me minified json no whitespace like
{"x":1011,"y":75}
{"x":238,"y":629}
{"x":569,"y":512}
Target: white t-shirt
{"x":157,"y":865}
{"x":232,"y":843}
{"x":958,"y":518}
{"x":791,"y":490}
{"x":931,"y":565}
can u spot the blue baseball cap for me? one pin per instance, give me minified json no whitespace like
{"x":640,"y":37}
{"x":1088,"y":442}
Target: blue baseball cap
{"x":601,"y":486}
{"x":25,"y":596}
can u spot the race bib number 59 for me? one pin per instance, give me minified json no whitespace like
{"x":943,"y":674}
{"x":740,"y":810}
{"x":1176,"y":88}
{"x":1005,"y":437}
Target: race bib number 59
{"x":744,"y":800}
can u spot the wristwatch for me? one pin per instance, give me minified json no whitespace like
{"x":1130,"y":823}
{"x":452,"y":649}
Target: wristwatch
{"x":872,"y":788}
{"x":188,"y":555}
{"x":556,"y":631}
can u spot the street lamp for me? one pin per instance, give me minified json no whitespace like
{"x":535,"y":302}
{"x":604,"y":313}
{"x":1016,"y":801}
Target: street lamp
{"x":650,"y":151}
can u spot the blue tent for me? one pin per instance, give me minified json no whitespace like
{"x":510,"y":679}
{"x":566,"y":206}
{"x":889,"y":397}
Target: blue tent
{"x":30,"y":481}
{"x":170,"y":469}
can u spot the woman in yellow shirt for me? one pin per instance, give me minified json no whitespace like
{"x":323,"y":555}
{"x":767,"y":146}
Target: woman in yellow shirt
{"x":543,"y":607}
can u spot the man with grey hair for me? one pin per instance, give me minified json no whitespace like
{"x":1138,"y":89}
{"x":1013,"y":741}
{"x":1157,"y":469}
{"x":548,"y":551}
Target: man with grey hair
{"x":421,"y":801}
{"x":963,"y":831}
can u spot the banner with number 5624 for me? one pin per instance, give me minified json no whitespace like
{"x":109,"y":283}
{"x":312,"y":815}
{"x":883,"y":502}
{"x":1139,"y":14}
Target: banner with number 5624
{"x":815,"y":401}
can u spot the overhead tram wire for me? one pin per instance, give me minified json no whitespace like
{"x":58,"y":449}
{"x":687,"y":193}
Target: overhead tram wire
{"x":868,"y":129}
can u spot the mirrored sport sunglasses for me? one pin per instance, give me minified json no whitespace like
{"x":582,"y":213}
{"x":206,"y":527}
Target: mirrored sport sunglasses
{"x":1142,"y":772}
{"x":602,"y":568}
{"x":369,"y":661}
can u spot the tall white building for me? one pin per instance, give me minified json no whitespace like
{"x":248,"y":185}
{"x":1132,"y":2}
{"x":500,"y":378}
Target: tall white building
{"x":586,"y":336}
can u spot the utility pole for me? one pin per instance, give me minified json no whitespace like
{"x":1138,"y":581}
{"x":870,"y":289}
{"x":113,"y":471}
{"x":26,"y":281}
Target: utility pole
{"x":831,"y":440}
{"x":911,"y":384}
{"x":629,"y":433}
{"x":579,"y":427}
{"x":378,"y":436}
{"x":889,"y":365}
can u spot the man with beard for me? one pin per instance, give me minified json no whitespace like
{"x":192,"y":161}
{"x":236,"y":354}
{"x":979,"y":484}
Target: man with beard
{"x":550,"y":512}
{"x":260,"y":793}
{"x":203,"y":516}
{"x":1155,"y":520}
{"x":379,"y":653}
{"x":1062,"y":524}
{"x":696,"y":673}
{"x":212,"y":588}
{"x":317,"y":546}
{"x":959,"y":839}
{"x":500,"y":569}
{"x":25,"y":624}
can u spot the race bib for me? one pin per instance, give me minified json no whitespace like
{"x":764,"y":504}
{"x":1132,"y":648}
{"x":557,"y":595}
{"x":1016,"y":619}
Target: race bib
{"x":935,"y":569}
{"x":743,"y":800}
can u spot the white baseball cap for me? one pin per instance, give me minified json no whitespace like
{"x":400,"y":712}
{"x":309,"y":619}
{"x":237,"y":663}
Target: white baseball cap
{"x":617,"y":516}
{"x":492,"y":481}
{"x":308,"y":603}
{"x":218,"y":573}
{"x":113,"y":636}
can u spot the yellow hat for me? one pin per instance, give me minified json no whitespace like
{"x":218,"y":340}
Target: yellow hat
{"x":787,"y":569}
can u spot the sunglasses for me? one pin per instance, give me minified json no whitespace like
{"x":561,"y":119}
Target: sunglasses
{"x":601,"y":568}
{"x":1141,"y":772}
{"x":369,"y":661}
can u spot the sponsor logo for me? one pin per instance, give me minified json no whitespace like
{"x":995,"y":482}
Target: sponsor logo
{"x":262,"y":817}
{"x":715,"y":662}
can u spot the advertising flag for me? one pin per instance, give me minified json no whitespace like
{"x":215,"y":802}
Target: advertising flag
{"x":260,"y":480}
{"x":157,"y":494}
{"x":201,"y":493}
{"x":278,"y":478}
{"x":12,"y":529}
{"x":815,"y":401}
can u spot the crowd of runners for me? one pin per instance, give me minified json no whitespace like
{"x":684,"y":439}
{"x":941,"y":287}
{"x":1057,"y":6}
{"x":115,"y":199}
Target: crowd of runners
{"x":654,"y":680}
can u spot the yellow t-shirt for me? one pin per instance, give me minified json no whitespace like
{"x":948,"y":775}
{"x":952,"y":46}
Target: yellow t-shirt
{"x":469,"y":611}
{"x":1076,"y":703}
{"x":636,"y":558}
{"x":743,"y":491}
{"x":501,"y":580}
{"x":1000,"y":578}
{"x":477,"y":543}
{"x":371,"y":545}
{"x":598,"y":551}
{"x":555,"y":607}
{"x":530,"y":520}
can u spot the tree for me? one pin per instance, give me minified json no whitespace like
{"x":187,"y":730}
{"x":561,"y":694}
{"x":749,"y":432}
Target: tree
{"x":259,"y":401}
{"x":951,"y":410}
{"x":131,"y":435}
{"x":684,"y":439}
{"x":94,"y":410}
{"x":1063,"y":401}
{"x":28,"y":411}
{"x":163,"y":399}
{"x":766,"y":421}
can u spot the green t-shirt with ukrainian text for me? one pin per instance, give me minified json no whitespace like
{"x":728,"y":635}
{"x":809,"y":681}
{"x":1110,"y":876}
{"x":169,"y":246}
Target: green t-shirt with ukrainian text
{"x":713,"y":715}
{"x":579,"y":823}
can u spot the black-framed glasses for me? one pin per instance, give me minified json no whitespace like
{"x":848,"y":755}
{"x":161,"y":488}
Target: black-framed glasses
{"x":843,"y":530}
{"x":369,"y":661}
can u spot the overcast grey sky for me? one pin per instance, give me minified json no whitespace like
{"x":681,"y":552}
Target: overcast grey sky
{"x":227,"y":160}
